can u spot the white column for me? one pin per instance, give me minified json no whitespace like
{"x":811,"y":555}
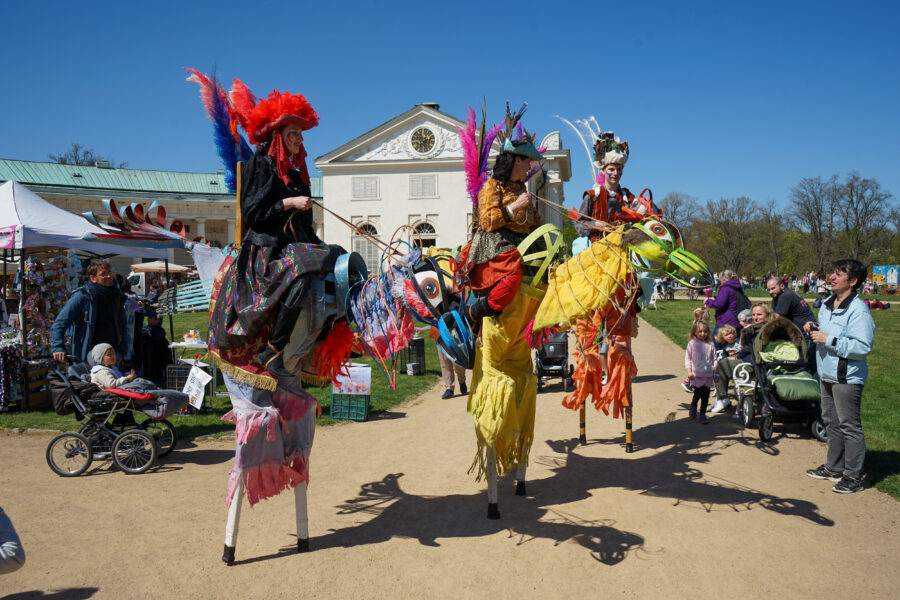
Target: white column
{"x":201,"y":228}
{"x":230,"y":237}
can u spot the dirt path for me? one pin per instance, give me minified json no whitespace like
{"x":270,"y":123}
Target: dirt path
{"x":695,"y":511}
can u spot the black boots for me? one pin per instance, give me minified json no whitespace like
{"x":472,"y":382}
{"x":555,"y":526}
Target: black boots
{"x":271,"y":356}
{"x":228,"y":555}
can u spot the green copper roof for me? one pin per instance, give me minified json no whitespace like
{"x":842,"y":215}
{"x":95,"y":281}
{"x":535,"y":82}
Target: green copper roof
{"x":124,"y":181}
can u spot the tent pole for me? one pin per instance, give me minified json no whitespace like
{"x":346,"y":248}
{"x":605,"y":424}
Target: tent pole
{"x":171,"y":327}
{"x":23,"y":326}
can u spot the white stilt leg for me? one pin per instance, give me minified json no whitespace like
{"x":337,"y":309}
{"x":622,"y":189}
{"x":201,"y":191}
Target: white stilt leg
{"x":520,"y":472}
{"x":302,"y":516}
{"x":234,"y":515}
{"x":492,"y":477}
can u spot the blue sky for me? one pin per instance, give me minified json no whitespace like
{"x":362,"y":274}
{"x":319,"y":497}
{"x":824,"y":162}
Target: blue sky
{"x":717,"y":99}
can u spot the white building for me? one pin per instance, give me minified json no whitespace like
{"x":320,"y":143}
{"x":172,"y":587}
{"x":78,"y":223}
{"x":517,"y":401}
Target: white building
{"x":409,"y":172}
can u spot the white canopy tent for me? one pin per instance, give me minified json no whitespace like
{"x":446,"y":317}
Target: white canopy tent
{"x":29,"y":221}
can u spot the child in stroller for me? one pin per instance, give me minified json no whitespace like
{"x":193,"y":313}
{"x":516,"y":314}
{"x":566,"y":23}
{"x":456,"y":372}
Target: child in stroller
{"x":110,"y":429}
{"x":785,"y":390}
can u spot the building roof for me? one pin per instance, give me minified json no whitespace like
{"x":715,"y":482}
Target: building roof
{"x":48,"y":177}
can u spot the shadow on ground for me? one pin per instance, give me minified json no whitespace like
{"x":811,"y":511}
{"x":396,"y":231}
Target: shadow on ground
{"x":67,"y":594}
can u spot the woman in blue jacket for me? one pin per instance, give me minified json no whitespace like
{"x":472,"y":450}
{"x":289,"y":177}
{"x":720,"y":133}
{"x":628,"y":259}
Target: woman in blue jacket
{"x":843,"y":337}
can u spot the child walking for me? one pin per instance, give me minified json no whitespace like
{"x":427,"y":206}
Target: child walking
{"x":700,"y":314}
{"x":700,"y":362}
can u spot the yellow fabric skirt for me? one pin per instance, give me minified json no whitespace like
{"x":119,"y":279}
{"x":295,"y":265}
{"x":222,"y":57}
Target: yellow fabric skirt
{"x":503,"y":393}
{"x":584,"y":283}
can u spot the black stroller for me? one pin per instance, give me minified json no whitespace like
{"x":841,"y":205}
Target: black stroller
{"x":784,"y":390}
{"x":552,"y":360}
{"x":110,"y":430}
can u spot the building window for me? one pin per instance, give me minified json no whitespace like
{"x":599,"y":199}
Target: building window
{"x":423,"y":186}
{"x":364,"y":187}
{"x":424,"y":236}
{"x":367,"y":249}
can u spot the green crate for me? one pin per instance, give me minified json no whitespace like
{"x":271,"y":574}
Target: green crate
{"x":350,"y":406}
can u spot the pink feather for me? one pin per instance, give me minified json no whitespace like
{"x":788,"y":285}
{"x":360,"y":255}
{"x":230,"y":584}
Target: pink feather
{"x":470,"y":155}
{"x":207,"y":89}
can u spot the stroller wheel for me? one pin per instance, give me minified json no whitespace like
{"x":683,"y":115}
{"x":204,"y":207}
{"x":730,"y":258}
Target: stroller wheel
{"x":69,"y":454}
{"x":765,"y":426}
{"x":134,"y":451}
{"x":817,"y":428}
{"x":163,"y":433}
{"x":747,"y":408}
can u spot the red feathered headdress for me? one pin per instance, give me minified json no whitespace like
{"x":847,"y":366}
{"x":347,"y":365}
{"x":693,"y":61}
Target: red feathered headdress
{"x":278,"y":109}
{"x":260,"y":118}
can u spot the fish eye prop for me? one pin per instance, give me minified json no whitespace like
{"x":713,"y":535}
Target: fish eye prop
{"x":660,"y":250}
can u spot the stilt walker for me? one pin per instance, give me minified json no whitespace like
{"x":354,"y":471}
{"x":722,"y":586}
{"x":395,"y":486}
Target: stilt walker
{"x":505,"y":262}
{"x":259,"y":293}
{"x":596,"y":290}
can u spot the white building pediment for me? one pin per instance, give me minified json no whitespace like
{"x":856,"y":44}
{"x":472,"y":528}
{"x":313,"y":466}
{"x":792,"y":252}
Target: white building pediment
{"x":422,"y":133}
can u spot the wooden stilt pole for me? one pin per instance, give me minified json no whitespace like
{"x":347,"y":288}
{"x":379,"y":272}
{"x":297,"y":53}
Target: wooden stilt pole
{"x":629,"y":447}
{"x":582,"y":435}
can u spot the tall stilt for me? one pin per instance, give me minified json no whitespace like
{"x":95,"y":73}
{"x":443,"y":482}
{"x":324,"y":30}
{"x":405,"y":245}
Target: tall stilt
{"x":629,"y":447}
{"x":582,"y":435}
{"x":233,"y":523}
{"x":302,"y":518}
{"x":493,"y":509}
{"x":520,"y":480}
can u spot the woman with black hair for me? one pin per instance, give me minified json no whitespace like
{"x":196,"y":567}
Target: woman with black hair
{"x":506,"y":216}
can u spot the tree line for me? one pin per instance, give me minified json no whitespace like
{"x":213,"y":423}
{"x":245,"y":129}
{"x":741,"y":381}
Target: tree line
{"x":824,"y":219}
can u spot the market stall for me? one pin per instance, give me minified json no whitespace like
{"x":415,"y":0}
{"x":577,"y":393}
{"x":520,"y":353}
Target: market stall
{"x":48,"y":245}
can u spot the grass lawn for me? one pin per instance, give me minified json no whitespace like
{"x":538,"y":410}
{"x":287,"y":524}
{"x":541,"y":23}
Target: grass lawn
{"x":880,"y":403}
{"x":209,"y":422}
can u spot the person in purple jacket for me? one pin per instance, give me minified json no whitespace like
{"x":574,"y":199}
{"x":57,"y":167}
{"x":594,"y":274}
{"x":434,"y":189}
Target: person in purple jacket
{"x":726,"y":301}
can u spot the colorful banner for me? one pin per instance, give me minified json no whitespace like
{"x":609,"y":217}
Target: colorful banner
{"x":8,"y":236}
{"x":887,"y":275}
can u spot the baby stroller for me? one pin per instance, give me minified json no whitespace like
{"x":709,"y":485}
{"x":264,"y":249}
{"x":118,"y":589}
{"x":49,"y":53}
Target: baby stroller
{"x":111,"y":429}
{"x":784,"y":390}
{"x":552,"y":359}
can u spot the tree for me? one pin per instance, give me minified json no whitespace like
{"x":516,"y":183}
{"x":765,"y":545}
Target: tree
{"x":864,"y":211}
{"x":770,"y":235}
{"x":679,"y":209}
{"x":731,"y":221}
{"x":812,"y":210}
{"x":79,"y":155}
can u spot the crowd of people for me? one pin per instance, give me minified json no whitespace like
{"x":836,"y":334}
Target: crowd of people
{"x":838,"y":343}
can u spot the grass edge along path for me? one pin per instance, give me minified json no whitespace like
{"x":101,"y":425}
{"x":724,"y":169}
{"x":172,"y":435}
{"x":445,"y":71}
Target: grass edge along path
{"x":209,"y":422}
{"x":880,"y":403}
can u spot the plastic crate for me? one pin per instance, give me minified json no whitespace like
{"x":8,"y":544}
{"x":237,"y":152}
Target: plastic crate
{"x":350,"y":406}
{"x":176,"y":376}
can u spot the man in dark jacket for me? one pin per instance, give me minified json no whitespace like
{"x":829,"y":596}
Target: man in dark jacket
{"x":786,"y":303}
{"x":96,"y":314}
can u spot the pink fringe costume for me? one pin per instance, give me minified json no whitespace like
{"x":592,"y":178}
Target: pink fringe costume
{"x":274,"y":435}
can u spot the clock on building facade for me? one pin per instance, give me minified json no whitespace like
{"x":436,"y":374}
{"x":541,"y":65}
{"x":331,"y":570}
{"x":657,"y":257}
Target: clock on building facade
{"x":422,"y":140}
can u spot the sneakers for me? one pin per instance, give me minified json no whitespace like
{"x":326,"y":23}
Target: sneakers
{"x":692,"y":412}
{"x":603,"y":379}
{"x":720,"y":406}
{"x":686,"y":386}
{"x":462,"y":388}
{"x":823,"y":472}
{"x":447,"y":394}
{"x":847,"y":485}
{"x":702,"y":419}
